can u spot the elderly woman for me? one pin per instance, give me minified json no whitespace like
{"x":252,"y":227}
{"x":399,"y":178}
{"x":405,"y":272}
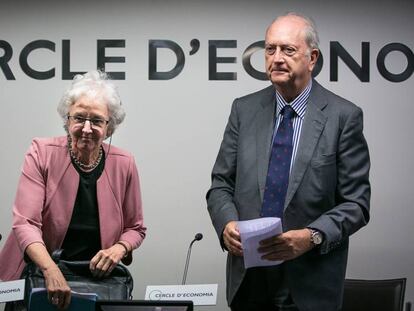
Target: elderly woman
{"x":77,"y":193}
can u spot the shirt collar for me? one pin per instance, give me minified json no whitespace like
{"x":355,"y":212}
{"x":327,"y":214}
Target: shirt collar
{"x":298,"y":104}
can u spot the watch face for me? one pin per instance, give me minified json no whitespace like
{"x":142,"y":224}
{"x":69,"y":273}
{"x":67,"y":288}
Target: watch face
{"x":317,"y":238}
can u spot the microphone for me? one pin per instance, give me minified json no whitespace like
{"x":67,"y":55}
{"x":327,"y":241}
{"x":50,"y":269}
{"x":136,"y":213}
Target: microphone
{"x":197,"y":237}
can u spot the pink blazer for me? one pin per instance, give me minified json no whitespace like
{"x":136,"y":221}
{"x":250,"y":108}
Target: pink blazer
{"x":46,"y":195}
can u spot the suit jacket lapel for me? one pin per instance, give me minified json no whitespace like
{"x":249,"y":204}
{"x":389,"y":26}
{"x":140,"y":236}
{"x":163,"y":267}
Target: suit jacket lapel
{"x":265,"y":123}
{"x":312,"y":128}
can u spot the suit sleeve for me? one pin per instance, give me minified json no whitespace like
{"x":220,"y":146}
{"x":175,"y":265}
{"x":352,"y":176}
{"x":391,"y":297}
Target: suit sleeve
{"x":220,"y":201}
{"x":353,"y":188}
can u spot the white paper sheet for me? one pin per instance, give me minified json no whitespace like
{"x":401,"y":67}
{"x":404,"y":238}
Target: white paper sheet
{"x":12,"y":290}
{"x":251,"y":233}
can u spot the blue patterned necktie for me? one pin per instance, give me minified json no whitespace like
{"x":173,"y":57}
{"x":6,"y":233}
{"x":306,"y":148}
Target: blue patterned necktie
{"x":279,"y":167}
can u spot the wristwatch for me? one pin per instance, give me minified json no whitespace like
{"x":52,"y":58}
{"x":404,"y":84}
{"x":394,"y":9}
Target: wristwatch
{"x":316,"y":236}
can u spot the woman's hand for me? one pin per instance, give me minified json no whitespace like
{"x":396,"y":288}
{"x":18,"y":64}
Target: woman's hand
{"x":106,"y":260}
{"x":58,"y":290}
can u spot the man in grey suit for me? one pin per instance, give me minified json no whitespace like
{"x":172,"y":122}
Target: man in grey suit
{"x":327,"y":186}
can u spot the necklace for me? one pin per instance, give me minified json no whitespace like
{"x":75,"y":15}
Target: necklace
{"x":78,"y":162}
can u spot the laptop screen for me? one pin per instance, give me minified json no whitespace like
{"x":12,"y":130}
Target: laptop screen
{"x":143,"y":305}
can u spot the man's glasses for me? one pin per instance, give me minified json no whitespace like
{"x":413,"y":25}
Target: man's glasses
{"x":95,"y":122}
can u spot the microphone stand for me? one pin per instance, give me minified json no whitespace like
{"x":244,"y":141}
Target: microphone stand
{"x":197,"y":237}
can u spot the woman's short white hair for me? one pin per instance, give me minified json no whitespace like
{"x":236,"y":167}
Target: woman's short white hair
{"x":91,"y":84}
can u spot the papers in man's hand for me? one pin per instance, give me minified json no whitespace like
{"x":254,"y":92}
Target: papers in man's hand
{"x":251,"y":233}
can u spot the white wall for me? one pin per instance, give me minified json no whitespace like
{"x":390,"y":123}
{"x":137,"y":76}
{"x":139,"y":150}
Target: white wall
{"x":174,"y":127}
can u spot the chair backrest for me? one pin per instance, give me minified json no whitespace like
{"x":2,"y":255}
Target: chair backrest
{"x":374,"y":295}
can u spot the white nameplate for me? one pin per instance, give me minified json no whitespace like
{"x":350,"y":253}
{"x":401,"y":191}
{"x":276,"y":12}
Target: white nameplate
{"x":12,"y":290}
{"x":200,"y":294}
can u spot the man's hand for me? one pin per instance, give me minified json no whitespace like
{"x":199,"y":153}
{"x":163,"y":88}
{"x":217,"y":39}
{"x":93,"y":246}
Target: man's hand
{"x":231,"y":238}
{"x":286,"y":246}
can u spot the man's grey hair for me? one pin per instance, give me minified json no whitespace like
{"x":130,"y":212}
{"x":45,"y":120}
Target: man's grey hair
{"x":311,"y":34}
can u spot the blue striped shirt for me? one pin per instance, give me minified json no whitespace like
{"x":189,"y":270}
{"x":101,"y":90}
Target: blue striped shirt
{"x":299,"y":105}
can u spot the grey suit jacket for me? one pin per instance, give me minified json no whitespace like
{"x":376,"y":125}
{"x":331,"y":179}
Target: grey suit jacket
{"x":328,"y":188}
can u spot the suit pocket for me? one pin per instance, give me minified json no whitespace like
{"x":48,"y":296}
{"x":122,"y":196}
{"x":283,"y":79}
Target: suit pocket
{"x":321,"y":176}
{"x":323,"y":160}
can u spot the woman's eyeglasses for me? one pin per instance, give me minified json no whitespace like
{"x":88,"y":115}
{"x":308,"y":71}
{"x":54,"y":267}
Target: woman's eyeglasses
{"x":95,"y":122}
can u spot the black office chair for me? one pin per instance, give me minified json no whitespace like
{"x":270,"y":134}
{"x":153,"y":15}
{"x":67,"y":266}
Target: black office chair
{"x":374,"y":295}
